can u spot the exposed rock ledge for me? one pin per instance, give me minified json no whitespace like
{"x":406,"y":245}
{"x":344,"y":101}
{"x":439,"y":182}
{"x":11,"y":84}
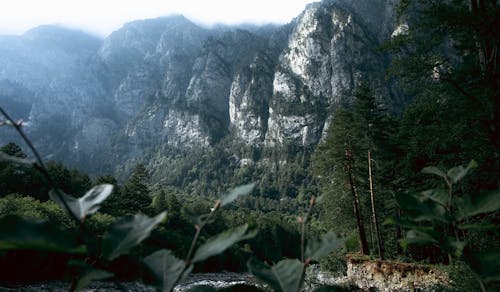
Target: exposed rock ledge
{"x":393,"y":276}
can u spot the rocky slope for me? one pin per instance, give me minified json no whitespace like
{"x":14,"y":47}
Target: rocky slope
{"x":167,"y":81}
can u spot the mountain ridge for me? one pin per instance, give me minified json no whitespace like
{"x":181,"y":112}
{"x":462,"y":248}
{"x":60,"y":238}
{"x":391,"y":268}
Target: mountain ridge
{"x":168,"y":81}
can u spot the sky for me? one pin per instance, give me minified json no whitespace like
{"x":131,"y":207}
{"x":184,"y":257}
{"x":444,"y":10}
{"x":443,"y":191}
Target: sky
{"x":101,"y":17}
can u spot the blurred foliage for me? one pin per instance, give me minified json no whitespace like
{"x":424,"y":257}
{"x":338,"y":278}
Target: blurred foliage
{"x":443,"y":217}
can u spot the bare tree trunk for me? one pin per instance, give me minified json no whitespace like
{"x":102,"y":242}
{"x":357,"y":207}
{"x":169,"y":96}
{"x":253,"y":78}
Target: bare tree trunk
{"x":374,"y":214}
{"x":487,"y":47}
{"x":399,"y":232}
{"x":372,"y":236}
{"x":359,"y":219}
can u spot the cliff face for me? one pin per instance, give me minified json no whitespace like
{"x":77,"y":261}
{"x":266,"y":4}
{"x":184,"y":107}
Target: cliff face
{"x":98,"y":103}
{"x":331,"y":49}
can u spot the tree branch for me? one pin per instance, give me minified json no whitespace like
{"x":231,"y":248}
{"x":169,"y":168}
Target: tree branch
{"x":39,"y":165}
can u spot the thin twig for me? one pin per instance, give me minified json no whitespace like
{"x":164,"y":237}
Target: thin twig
{"x":304,"y":220}
{"x":303,"y":227}
{"x":41,"y":166}
{"x":199,"y":227}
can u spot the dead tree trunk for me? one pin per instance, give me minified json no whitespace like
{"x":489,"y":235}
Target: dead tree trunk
{"x":374,"y":214}
{"x":359,"y":219}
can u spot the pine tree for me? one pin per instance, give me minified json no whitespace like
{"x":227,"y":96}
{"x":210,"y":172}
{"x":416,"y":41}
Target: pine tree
{"x":135,"y":193}
{"x":335,"y":162}
{"x":19,"y":179}
{"x":13,"y":149}
{"x":449,"y":62}
{"x":372,"y":129}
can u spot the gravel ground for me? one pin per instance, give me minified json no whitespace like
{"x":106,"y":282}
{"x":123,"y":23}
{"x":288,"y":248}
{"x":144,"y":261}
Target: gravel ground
{"x":314,"y":279}
{"x":219,"y":280}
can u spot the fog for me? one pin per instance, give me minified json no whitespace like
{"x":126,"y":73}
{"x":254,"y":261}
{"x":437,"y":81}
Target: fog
{"x":103,"y":17}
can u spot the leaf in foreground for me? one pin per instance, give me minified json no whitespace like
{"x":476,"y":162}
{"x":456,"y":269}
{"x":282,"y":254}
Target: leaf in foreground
{"x":285,"y":276}
{"x":86,"y":205}
{"x":417,"y":237}
{"x":86,"y":273}
{"x":320,"y":247}
{"x":458,"y":172}
{"x":236,"y":192}
{"x":16,"y":160}
{"x":128,"y":232}
{"x":20,"y":233}
{"x":92,"y":275}
{"x":486,"y":264}
{"x":485,"y":202}
{"x":219,"y":243}
{"x":433,"y":170}
{"x":166,"y":267}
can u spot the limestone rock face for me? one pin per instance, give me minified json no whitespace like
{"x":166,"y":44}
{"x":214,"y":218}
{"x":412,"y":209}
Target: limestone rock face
{"x":251,"y":91}
{"x":328,"y":54}
{"x":394,"y":276}
{"x":97,"y":103}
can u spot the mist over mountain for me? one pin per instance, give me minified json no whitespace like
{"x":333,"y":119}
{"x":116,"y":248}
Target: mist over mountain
{"x":162,"y":84}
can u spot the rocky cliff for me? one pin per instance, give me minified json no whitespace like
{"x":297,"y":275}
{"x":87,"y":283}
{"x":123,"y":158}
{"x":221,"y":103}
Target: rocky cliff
{"x":167,"y":81}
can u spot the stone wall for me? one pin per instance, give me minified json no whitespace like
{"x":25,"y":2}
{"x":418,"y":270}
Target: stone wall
{"x":393,"y":276}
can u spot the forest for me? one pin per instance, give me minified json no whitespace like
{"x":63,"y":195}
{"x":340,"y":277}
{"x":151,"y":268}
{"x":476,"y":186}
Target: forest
{"x":422,"y":187}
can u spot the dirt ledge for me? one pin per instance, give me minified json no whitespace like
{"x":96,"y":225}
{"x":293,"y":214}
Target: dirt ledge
{"x":367,"y":273}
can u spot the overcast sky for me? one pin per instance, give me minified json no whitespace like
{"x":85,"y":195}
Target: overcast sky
{"x":104,"y":16}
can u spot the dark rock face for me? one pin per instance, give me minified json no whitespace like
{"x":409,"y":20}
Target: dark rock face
{"x":98,"y":103}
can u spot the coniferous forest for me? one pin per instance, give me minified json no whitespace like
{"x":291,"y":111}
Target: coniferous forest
{"x":419,"y":188}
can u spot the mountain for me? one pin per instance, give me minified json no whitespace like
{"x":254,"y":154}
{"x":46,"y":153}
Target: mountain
{"x":161,"y":84}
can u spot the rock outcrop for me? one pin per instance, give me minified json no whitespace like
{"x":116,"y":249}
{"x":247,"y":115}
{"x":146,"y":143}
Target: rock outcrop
{"x":394,"y":276}
{"x":167,"y":81}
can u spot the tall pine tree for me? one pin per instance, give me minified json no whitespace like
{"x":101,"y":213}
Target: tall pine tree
{"x":335,"y":163}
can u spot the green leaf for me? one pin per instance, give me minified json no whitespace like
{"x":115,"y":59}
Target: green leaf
{"x":401,"y":222}
{"x":235,"y":193}
{"x":86,"y":205}
{"x":318,"y":248}
{"x":421,"y":211}
{"x":408,"y":201}
{"x":86,"y":273}
{"x":128,"y":232}
{"x":416,"y":237}
{"x":221,"y":242}
{"x":432,"y":211}
{"x":92,"y":275}
{"x":454,"y":247}
{"x":485,"y":202}
{"x":166,"y":267}
{"x":195,"y":218}
{"x":404,"y":222}
{"x":433,"y":170}
{"x":439,"y":196}
{"x":390,"y":221}
{"x":285,"y":276}
{"x":485,"y":226}
{"x":486,"y":264}
{"x":457,"y":173}
{"x":19,"y":233}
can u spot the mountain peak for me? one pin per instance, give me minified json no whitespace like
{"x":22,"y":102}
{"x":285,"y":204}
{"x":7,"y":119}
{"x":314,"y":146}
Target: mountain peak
{"x":54,"y":35}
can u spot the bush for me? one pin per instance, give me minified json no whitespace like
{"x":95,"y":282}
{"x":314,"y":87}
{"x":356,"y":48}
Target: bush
{"x":99,"y":222}
{"x":461,"y":277}
{"x":26,"y":207}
